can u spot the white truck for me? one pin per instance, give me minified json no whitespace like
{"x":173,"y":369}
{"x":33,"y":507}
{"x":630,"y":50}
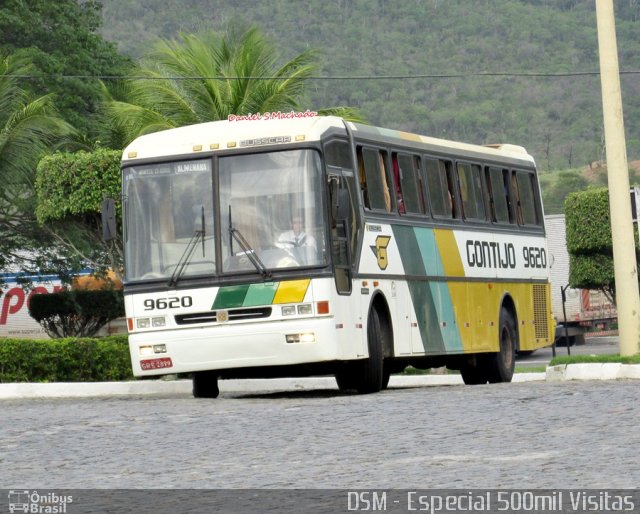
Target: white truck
{"x":585,"y":309}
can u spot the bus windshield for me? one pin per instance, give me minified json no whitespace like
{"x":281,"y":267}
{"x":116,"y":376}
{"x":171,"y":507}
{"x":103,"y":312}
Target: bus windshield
{"x":270,"y":209}
{"x":273,"y":202}
{"x":169,"y":220}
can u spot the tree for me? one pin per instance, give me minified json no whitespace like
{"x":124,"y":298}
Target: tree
{"x":589,"y":241}
{"x":70,"y":188}
{"x":29,"y":128}
{"x":207,"y":77}
{"x":60,"y":38}
{"x":557,"y":185}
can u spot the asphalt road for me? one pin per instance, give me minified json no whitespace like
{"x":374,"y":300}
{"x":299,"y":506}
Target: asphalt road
{"x":518,"y":435}
{"x":592,"y":346}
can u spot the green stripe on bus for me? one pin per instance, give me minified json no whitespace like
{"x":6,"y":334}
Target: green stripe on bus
{"x":260,"y":294}
{"x":230,"y":296}
{"x":431,"y":300}
{"x":444,"y":308}
{"x":421,"y":295}
{"x":426,"y":316}
{"x":429,"y":251}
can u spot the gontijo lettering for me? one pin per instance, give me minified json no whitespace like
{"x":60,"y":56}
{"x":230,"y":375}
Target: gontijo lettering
{"x":492,"y":254}
{"x":489,"y":254}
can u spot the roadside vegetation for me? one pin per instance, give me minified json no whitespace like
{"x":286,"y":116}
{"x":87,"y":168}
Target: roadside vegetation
{"x":582,"y":359}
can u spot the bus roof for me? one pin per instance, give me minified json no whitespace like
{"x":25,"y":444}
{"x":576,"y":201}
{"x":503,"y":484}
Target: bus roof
{"x":278,"y":128}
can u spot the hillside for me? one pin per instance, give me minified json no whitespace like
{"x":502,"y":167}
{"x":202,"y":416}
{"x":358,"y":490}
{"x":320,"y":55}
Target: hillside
{"x":556,"y":185}
{"x":557,"y":118}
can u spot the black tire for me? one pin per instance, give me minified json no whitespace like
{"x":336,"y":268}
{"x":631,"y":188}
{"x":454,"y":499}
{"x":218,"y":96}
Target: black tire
{"x":501,"y":364}
{"x":474,"y":373}
{"x":386,"y":375}
{"x":371,"y":370}
{"x":346,"y":377}
{"x":205,"y":384}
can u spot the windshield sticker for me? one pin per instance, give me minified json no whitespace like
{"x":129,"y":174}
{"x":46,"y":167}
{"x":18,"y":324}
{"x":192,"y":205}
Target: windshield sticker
{"x":186,"y":167}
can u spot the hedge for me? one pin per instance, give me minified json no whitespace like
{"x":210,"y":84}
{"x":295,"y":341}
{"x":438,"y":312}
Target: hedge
{"x":588,"y":222}
{"x":593,"y":271}
{"x":72,"y":184}
{"x":65,"y":360}
{"x":77,"y":313}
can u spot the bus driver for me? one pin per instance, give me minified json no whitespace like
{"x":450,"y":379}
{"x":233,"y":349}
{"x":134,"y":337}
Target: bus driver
{"x":296,"y":237}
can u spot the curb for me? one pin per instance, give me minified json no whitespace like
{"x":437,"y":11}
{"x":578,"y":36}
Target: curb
{"x":593,"y":371}
{"x":563,"y":372}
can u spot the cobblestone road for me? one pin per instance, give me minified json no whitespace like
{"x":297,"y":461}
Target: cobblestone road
{"x":530,"y":435}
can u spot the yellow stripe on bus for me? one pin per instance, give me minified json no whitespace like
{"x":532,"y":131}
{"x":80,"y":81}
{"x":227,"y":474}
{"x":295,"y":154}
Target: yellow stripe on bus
{"x":449,"y":254}
{"x":291,"y":291}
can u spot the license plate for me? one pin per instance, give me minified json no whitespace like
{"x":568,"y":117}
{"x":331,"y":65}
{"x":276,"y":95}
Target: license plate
{"x":163,"y":362}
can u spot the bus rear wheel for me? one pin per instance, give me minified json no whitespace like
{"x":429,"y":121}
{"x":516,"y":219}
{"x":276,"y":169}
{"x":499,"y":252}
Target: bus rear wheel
{"x":474,"y":372}
{"x":501,"y":364}
{"x":205,"y":384}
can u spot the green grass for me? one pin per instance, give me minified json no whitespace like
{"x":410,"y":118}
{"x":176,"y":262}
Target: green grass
{"x":580,"y":359}
{"x":530,"y":369}
{"x":568,"y":359}
{"x":410,"y":370}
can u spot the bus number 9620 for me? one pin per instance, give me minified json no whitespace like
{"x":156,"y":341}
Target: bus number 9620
{"x":168,"y":303}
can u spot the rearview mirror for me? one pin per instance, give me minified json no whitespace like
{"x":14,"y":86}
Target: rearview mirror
{"x":108,"y":219}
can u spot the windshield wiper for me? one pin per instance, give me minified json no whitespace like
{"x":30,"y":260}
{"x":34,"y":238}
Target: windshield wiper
{"x":246,"y":248}
{"x":185,"y":259}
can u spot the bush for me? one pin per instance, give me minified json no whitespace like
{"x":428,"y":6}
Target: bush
{"x":588,"y":222}
{"x":65,"y":360}
{"x":594,"y":271}
{"x":79,"y":313}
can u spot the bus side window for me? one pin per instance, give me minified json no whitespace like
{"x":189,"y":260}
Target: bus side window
{"x":527,"y":212}
{"x":408,"y":184}
{"x":373,"y":177}
{"x":498,"y":194}
{"x":440,"y":188}
{"x":470,"y":184}
{"x":396,"y":183}
{"x":363,"y":179}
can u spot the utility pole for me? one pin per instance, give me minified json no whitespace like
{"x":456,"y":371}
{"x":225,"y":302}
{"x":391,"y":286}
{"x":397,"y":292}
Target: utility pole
{"x":624,"y":256}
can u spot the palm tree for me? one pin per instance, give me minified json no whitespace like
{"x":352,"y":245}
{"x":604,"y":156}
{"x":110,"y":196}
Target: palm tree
{"x":205,"y":77}
{"x":29,"y":128}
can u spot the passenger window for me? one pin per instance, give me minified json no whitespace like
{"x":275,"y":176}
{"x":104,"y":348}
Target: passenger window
{"x":408,"y":184}
{"x":338,"y":153}
{"x":498,"y":194}
{"x":470,"y":184}
{"x":526,"y":199}
{"x":440,"y":188}
{"x":373,"y":179}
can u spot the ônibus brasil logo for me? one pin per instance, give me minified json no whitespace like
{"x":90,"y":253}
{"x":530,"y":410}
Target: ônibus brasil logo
{"x":35,"y":502}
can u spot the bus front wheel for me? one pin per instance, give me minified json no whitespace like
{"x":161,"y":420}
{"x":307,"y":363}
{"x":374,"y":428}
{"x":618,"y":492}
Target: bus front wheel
{"x":205,"y":384}
{"x":370,"y":378}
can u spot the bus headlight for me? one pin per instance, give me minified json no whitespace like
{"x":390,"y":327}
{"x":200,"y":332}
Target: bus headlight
{"x":158,"y":322}
{"x":305,"y":308}
{"x":143,"y":323}
{"x":308,"y":337}
{"x":288,"y":310}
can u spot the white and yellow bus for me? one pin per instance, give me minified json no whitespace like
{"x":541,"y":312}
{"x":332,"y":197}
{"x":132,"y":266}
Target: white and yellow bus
{"x":293,"y":244}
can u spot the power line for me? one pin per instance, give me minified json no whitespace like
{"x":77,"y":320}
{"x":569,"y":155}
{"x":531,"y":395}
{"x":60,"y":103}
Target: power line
{"x":336,"y":77}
